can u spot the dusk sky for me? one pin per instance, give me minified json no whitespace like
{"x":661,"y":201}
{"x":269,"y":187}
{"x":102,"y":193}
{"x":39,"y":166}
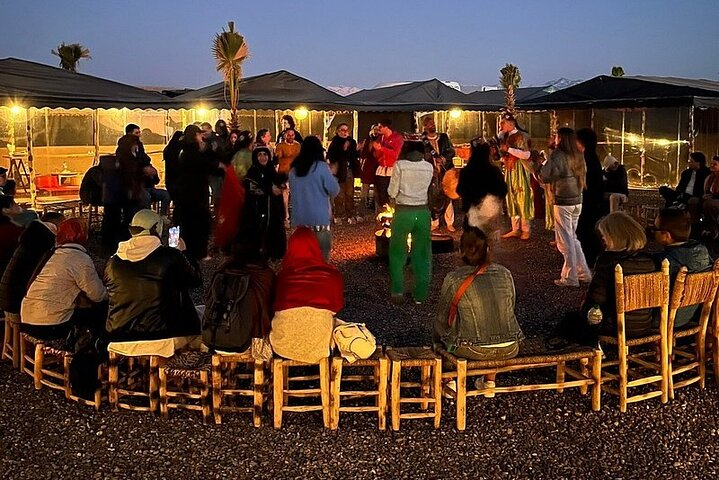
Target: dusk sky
{"x":167,"y":43}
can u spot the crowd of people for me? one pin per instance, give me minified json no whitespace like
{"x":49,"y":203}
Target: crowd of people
{"x":288,"y":291}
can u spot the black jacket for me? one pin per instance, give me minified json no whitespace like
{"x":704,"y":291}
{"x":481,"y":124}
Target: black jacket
{"x":91,"y":186}
{"x":601,"y":292}
{"x":446,"y":149}
{"x":616,"y":181}
{"x":35,"y":242}
{"x":150,"y":299}
{"x":478,"y":181}
{"x":346,"y":160}
{"x":192,"y":181}
{"x":698,"y":189}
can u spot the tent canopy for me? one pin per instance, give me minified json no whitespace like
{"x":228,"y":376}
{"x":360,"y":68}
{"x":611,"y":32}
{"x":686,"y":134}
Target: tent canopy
{"x":636,"y":91}
{"x":277,"y":90}
{"x":31,"y":84}
{"x":424,"y":95}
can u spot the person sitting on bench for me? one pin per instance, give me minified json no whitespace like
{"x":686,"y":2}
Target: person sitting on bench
{"x":689,"y":191}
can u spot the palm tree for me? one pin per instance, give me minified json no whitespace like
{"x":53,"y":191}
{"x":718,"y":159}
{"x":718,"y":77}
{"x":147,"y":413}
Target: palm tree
{"x":617,"y":71}
{"x":509,"y":80}
{"x":70,"y":55}
{"x":230,"y":50}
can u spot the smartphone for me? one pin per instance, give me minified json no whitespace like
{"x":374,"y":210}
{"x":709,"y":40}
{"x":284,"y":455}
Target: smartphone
{"x":174,"y":236}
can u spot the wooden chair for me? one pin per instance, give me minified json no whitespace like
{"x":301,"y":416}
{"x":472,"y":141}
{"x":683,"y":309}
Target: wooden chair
{"x":11,"y":339}
{"x":637,"y":292}
{"x":226,"y":382}
{"x":379,"y":363}
{"x":532,"y":355}
{"x":134,"y":377}
{"x":430,"y":384}
{"x":282,"y":391}
{"x":690,"y":289}
{"x":179,"y":377}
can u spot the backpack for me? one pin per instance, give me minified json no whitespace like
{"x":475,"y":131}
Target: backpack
{"x":229,"y":311}
{"x":354,"y":341}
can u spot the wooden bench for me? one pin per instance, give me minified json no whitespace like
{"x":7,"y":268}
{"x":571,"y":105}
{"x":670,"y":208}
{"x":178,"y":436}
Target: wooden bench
{"x":180,"y":378}
{"x":532,"y":355}
{"x":228,"y":380}
{"x":283,"y":391}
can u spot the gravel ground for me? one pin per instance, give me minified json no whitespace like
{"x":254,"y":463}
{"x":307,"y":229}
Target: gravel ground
{"x":537,"y":434}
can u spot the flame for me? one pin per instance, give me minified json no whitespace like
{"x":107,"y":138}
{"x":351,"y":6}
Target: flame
{"x":385,"y":218}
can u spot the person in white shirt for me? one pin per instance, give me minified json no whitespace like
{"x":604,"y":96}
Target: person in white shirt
{"x":408,"y":186}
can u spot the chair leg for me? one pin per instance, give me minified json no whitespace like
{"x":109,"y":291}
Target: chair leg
{"x":560,"y":376}
{"x":597,"y":377}
{"x":461,"y":381}
{"x":15,"y":332}
{"x":382,"y":392}
{"x":437,"y":390}
{"x":98,"y":390}
{"x":394,"y":400}
{"x":623,"y":379}
{"x":257,"y":397}
{"x":701,"y":359}
{"x":162,"y":374}
{"x":425,"y":376}
{"x":37,"y":368}
{"x":583,"y":362}
{"x":205,"y":395}
{"x":278,"y":395}
{"x":112,"y":378}
{"x":66,"y":376}
{"x":666,"y":372}
{"x":325,"y":392}
{"x":154,"y":380}
{"x":6,"y":341}
{"x":217,"y":389}
{"x":336,"y":384}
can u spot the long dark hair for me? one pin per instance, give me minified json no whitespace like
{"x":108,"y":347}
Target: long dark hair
{"x":474,"y":246}
{"x":290,"y":120}
{"x":311,"y":151}
{"x":568,"y":145}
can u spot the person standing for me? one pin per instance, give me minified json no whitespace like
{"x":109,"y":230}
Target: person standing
{"x":192,"y":214}
{"x":313,"y":187}
{"x":369,"y":167}
{"x":285,"y":154}
{"x":591,"y":197}
{"x":411,"y":177}
{"x":263,"y":138}
{"x":288,"y":123}
{"x":565,"y":170}
{"x":481,"y":185}
{"x":344,"y":162}
{"x":514,"y":149}
{"x":386,"y":150}
{"x":440,"y":152}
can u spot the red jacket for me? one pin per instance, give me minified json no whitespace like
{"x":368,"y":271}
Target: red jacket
{"x":391,"y":148}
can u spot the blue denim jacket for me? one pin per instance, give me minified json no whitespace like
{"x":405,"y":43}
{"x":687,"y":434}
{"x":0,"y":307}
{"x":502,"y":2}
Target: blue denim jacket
{"x":486,"y":310}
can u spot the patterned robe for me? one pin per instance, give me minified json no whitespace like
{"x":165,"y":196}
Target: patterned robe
{"x":517,"y":173}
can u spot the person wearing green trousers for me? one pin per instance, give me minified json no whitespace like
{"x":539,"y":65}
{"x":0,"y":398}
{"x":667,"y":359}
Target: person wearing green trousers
{"x":408,"y":187}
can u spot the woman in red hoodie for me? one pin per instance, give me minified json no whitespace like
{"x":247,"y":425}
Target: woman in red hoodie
{"x":309,"y":293}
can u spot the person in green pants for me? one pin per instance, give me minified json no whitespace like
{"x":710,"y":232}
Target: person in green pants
{"x":408,"y":188}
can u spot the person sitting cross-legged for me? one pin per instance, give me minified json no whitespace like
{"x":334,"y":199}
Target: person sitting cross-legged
{"x":149,"y":284}
{"x":484,"y":326}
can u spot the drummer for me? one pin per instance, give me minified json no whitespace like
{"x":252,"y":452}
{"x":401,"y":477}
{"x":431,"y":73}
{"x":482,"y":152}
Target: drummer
{"x":441,"y":152}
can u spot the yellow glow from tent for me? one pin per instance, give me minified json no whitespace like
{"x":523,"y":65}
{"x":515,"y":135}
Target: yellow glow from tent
{"x":15,"y":109}
{"x":301,"y":113}
{"x":201,"y":112}
{"x":455,"y":113}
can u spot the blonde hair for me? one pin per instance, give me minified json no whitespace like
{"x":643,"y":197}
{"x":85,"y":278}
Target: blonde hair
{"x":622,"y":233}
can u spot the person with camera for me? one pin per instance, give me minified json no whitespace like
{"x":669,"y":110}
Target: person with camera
{"x":514,"y":149}
{"x":440,"y":152}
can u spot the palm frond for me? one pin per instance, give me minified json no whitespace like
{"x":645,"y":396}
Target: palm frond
{"x":70,"y":55}
{"x":230,"y":51}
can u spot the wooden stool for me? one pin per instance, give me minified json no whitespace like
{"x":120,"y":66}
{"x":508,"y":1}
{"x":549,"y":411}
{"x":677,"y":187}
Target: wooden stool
{"x":282,"y":390}
{"x":186,"y":368}
{"x":379,"y":363}
{"x":430,"y":392}
{"x":226,"y":381}
{"x":11,"y":339}
{"x":31,"y":355}
{"x":139,"y":379}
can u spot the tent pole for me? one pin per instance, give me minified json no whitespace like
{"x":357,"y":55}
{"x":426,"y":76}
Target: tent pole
{"x":355,"y":125}
{"x":96,"y":136}
{"x":31,"y":167}
{"x":691,"y":129}
{"x":642,"y":151}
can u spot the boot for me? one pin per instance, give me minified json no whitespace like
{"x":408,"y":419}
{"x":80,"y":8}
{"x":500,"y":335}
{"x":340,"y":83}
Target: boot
{"x":515,"y":232}
{"x":526,"y":229}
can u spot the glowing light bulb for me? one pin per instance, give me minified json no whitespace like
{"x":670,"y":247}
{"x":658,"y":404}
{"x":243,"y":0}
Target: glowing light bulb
{"x":15,"y":109}
{"x":455,"y":113}
{"x":301,"y":113}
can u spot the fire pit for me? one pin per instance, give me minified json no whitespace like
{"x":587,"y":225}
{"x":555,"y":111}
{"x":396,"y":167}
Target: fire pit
{"x":440,"y":243}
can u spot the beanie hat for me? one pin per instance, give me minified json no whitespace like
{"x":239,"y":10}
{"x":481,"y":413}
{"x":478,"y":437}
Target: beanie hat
{"x":146,"y":222}
{"x":609,"y":161}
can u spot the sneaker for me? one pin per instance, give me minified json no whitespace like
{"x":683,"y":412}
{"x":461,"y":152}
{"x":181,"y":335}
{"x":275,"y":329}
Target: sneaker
{"x":563,"y":282}
{"x":451,"y":385}
{"x":512,"y":234}
{"x":479,"y":383}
